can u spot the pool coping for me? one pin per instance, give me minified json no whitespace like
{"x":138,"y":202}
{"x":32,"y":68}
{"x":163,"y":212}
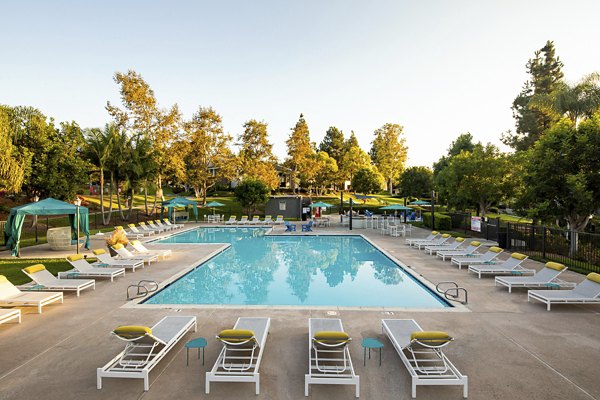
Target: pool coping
{"x":137,"y":303}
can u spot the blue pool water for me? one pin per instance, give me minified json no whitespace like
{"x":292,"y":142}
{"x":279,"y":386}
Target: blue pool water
{"x":293,"y":270}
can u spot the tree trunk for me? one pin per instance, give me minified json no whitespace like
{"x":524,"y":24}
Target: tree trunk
{"x":119,"y":202}
{"x":196,"y":191}
{"x":104,"y":219}
{"x":390,"y":186}
{"x":146,"y":198}
{"x":129,"y":212}
{"x":110,"y":203}
{"x":577,"y":224}
{"x":204,"y":189}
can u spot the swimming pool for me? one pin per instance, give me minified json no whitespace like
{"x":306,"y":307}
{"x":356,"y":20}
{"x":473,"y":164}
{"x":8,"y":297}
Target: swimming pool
{"x":260,"y":269}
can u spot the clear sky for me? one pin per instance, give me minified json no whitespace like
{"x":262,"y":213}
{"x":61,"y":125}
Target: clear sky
{"x":438,"y":68}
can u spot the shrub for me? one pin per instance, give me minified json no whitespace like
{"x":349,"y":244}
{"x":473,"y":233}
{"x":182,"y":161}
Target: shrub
{"x":443,"y":222}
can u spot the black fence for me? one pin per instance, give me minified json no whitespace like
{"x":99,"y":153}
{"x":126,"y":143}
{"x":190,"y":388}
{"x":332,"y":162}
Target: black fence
{"x":489,"y":228}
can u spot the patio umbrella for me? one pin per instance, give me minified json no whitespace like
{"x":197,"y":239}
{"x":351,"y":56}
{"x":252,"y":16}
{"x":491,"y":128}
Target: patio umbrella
{"x":420,"y":203}
{"x":214,"y":204}
{"x":396,"y":207}
{"x":321,"y":204}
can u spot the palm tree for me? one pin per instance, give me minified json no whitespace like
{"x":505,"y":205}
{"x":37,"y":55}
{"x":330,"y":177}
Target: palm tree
{"x":99,"y":145}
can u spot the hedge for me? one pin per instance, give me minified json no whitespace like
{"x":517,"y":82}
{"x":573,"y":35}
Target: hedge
{"x":443,"y":222}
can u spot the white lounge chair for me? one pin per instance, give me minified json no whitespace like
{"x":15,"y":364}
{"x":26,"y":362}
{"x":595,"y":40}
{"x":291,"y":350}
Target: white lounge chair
{"x":489,"y":257}
{"x":422,"y":354}
{"x":145,"y":348}
{"x":145,"y":230}
{"x":141,"y":249}
{"x":546,"y":277}
{"x":130,"y":233}
{"x":586,"y":292}
{"x":127,"y":255}
{"x":11,"y":296}
{"x":452,"y":246}
{"x":152,"y":225}
{"x":243,"y":220}
{"x":105,"y":260}
{"x":469,"y":251}
{"x":435,"y":242}
{"x":83,"y":269}
{"x":268,"y":220}
{"x":231,"y":221}
{"x":429,"y":238}
{"x":159,"y":223}
{"x":255,"y":220}
{"x":242,"y":352}
{"x":10,"y":314}
{"x":175,"y":225}
{"x":329,"y":361}
{"x":279,"y":220}
{"x":510,"y":266}
{"x":46,"y":281}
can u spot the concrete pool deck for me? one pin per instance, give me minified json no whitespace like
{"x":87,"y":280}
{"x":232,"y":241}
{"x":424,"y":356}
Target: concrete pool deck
{"x":509,"y":348}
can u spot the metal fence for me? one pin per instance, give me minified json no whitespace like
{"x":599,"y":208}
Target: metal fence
{"x":462,"y":222}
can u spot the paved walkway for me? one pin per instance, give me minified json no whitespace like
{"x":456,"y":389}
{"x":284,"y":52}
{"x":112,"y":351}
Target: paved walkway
{"x":509,"y":348}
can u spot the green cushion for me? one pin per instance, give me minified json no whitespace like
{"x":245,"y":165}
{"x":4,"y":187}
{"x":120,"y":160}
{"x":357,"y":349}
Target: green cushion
{"x":555,"y":265}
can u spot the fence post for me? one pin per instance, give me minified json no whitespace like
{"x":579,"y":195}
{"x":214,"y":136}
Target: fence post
{"x":544,"y":242}
{"x":508,"y":246}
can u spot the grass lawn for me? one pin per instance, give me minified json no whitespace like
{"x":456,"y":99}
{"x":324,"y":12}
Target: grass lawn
{"x":11,"y":268}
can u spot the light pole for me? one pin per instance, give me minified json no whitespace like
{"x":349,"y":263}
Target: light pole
{"x":77,"y":205}
{"x":36,"y":198}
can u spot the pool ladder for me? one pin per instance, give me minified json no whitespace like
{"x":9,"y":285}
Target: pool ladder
{"x":452,"y":293}
{"x":143,"y":287}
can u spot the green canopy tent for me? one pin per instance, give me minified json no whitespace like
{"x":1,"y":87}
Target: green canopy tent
{"x":170,"y":205}
{"x":49,"y":206}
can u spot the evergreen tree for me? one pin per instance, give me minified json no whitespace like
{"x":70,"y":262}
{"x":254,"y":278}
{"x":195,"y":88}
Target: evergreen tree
{"x":300,"y":153}
{"x":388,"y":152}
{"x":545,"y":70}
{"x":256,"y":159}
{"x":333,"y":143}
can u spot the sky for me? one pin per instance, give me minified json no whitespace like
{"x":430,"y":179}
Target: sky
{"x":438,"y":68}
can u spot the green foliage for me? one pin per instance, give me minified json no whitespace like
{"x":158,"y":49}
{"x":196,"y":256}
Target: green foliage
{"x":416,"y":181}
{"x":545,"y":71}
{"x":256,"y":159}
{"x":367,"y":180}
{"x":301,"y":152}
{"x":12,"y":163}
{"x":443,"y":222}
{"x":463,"y":142}
{"x":388,"y":153}
{"x":353,"y":159}
{"x":251,"y":193}
{"x":333,"y":143}
{"x":326,"y":171}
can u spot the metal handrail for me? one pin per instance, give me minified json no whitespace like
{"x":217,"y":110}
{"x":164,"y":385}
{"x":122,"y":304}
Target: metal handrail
{"x":456,"y":289}
{"x":143,"y":287}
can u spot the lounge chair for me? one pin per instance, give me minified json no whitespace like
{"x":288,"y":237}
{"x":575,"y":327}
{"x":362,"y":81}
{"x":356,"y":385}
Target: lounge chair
{"x":152,"y":225}
{"x":290,"y":227}
{"x":169,"y":223}
{"x":329,"y":361}
{"x":242,"y":352}
{"x":130,"y":233}
{"x":510,"y":266}
{"x":243,"y":220}
{"x":231,"y":221}
{"x":432,"y":235}
{"x":452,"y":246}
{"x":145,"y":231}
{"x":83,"y":269}
{"x":46,"y":281}
{"x":279,"y":220}
{"x":158,"y":223}
{"x":105,"y":260}
{"x":586,"y":292}
{"x":422,"y":354}
{"x":435,"y":242}
{"x":127,"y":255}
{"x":307,"y":227}
{"x":145,"y":348}
{"x":486,"y":258}
{"x":267,"y":221}
{"x":141,"y":249}
{"x":11,"y":296}
{"x":546,"y":277}
{"x":255,"y":220}
{"x":469,"y":251}
{"x":8,"y":315}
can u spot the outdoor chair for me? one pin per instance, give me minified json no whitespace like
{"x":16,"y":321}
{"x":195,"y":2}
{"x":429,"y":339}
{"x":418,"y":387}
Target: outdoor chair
{"x":8,"y":315}
{"x":242,"y":352}
{"x":432,"y":235}
{"x":422,"y":354}
{"x":452,"y":246}
{"x":130,"y":233}
{"x":156,"y":228}
{"x":144,"y":348}
{"x":290,"y":227}
{"x":469,"y":252}
{"x":307,"y":227}
{"x":11,"y":296}
{"x":243,"y":220}
{"x":127,"y":255}
{"x":105,"y":260}
{"x":586,"y":292}
{"x":329,"y":361}
{"x":546,"y":277}
{"x":163,"y":226}
{"x":46,"y":281}
{"x":279,"y":220}
{"x":268,"y":220}
{"x":168,"y":223}
{"x":231,"y":221}
{"x":147,"y":228}
{"x":144,"y":232}
{"x":510,"y":266}
{"x":435,"y":242}
{"x":141,"y":249}
{"x":83,"y":269}
{"x":255,"y":220}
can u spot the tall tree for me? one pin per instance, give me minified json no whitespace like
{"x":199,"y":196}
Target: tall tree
{"x":300,"y":158}
{"x":256,"y":159}
{"x":388,"y":152}
{"x":353,"y":159}
{"x":98,"y":150}
{"x":545,"y":71}
{"x":12,"y":162}
{"x":368,"y":180}
{"x":416,"y":181}
{"x":326,"y":172}
{"x":333,"y":143}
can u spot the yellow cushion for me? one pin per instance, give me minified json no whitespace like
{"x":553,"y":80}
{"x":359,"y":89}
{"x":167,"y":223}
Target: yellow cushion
{"x":555,"y":265}
{"x":434,"y":232}
{"x":475,"y":243}
{"x":235,"y":335}
{"x":135,"y":242}
{"x":496,"y":249}
{"x":331,"y":336}
{"x":3,"y":279}
{"x":118,"y":227}
{"x":594,"y":277}
{"x":244,"y":216}
{"x":446,"y":235}
{"x":34,"y":268}
{"x":75,"y":257}
{"x":460,"y":239}
{"x":99,"y":251}
{"x":132,"y":331}
{"x":142,"y":223}
{"x":430,"y":337}
{"x":131,"y":225}
{"x":117,"y":246}
{"x":518,"y":256}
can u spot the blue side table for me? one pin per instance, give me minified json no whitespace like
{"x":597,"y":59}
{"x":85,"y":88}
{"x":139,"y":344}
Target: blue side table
{"x":198,"y":343}
{"x":371,"y":343}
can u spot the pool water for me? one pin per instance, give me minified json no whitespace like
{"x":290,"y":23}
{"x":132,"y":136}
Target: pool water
{"x":260,"y":269}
